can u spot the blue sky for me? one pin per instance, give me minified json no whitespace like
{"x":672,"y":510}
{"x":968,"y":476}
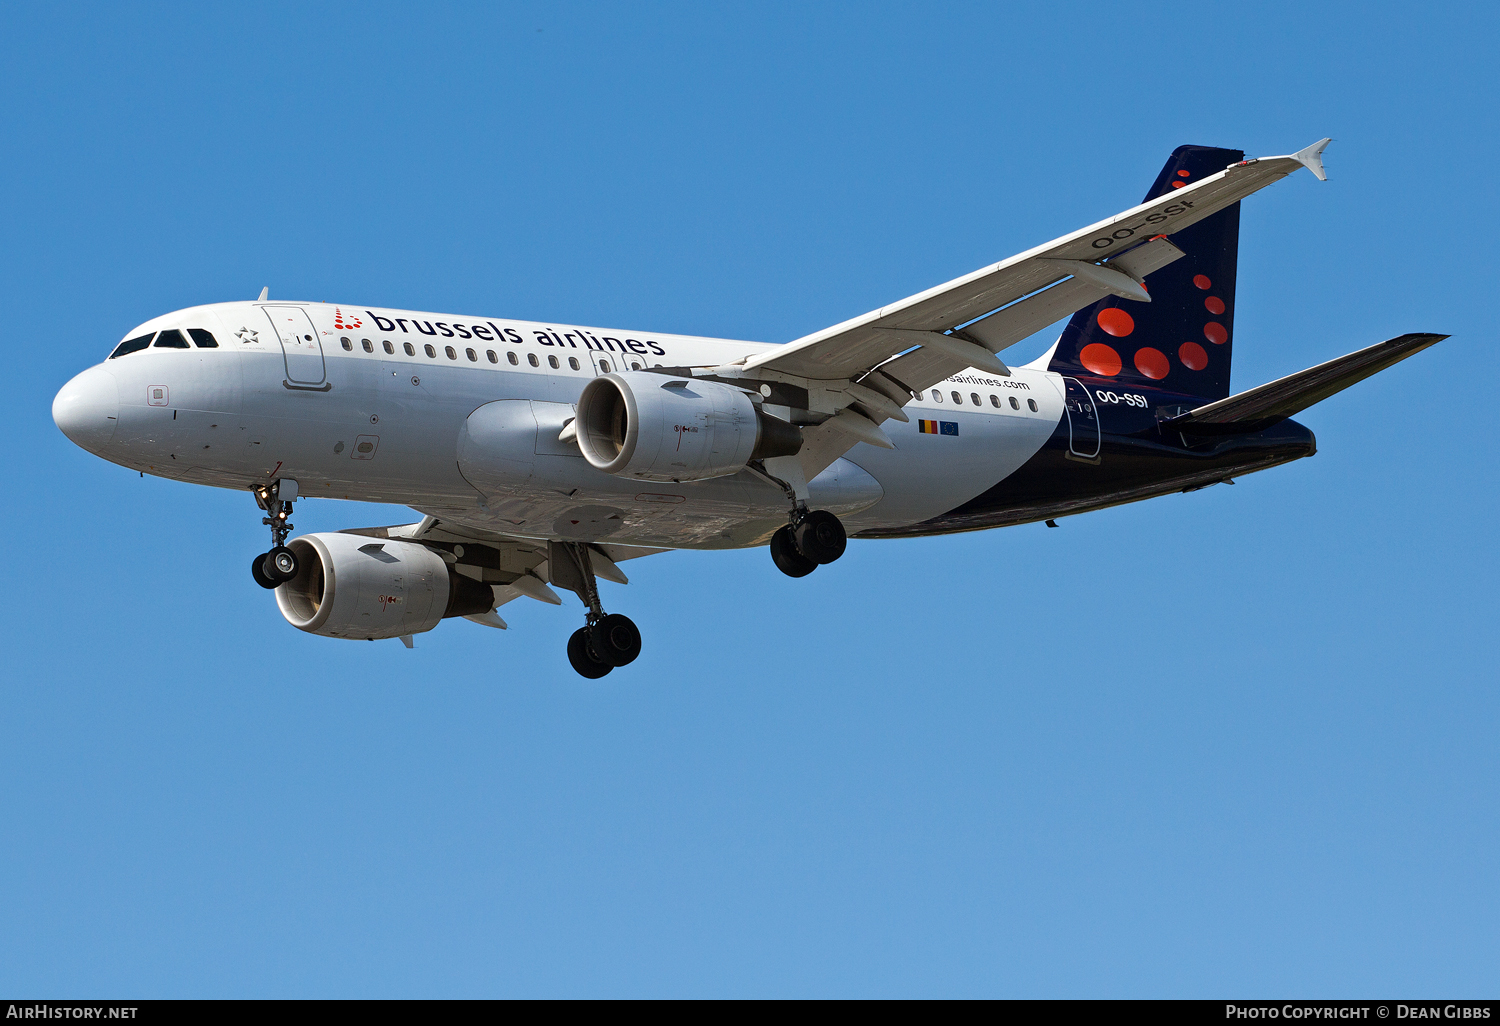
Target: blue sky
{"x":1239,"y":742}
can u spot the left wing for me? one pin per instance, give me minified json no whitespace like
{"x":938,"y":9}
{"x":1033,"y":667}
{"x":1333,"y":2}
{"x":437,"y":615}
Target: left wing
{"x":514,"y":567}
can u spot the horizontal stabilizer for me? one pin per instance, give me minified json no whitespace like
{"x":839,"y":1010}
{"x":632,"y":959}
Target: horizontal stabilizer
{"x":1260,"y":407}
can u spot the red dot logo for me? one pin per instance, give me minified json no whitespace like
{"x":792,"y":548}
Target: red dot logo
{"x":1182,"y":174}
{"x":1115,"y":321}
{"x":1178,"y":185}
{"x":1152,"y":363}
{"x":1192,"y":355}
{"x":1100,"y":359}
{"x":1201,"y":280}
{"x":1215,"y":333}
{"x":1215,"y":305}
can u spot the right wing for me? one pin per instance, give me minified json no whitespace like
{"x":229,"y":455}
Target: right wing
{"x":999,"y":305}
{"x":846,"y":379}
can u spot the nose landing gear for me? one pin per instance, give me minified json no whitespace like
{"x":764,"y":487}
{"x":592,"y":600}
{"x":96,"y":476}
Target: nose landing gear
{"x":606,"y":640}
{"x":276,"y":567}
{"x":810,"y":540}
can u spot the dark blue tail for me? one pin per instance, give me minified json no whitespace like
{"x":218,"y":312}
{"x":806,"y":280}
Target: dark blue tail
{"x":1183,"y":338}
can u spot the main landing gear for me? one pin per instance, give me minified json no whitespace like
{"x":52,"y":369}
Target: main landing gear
{"x":274,"y":568}
{"x":811,"y":539}
{"x":606,"y":640}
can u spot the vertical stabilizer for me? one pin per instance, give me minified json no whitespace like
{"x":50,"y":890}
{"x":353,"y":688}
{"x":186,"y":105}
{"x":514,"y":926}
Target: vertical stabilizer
{"x":1183,"y":338}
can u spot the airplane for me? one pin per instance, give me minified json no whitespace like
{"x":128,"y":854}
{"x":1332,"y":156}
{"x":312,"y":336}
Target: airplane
{"x":544,"y":455}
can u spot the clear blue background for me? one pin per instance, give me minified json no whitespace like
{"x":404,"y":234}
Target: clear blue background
{"x":1238,"y":742}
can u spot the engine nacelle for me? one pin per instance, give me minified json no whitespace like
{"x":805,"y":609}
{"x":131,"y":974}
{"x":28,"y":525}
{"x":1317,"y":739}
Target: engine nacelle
{"x":354,"y":586}
{"x":660,"y":428}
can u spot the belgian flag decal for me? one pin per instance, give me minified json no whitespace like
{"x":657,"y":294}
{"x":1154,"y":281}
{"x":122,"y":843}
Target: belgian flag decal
{"x":937,"y":427}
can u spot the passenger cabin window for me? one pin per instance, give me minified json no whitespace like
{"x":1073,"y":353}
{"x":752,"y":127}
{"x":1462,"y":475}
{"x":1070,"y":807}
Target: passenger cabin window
{"x":131,"y":345}
{"x":203,"y":339}
{"x":409,"y":350}
{"x":367,"y":345}
{"x":171,"y":340}
{"x":452,"y":354}
{"x":975,"y":396}
{"x":388,"y":347}
{"x":431,"y":352}
{"x":603,"y":366}
{"x":473,"y":356}
{"x":635,"y":366}
{"x":995,"y":401}
{"x":511,"y":357}
{"x":1014,"y":403}
{"x":531,"y":359}
{"x":1032,"y":404}
{"x":937,"y":396}
{"x":490,"y":355}
{"x":348,"y":346}
{"x":573,"y":362}
{"x":957,"y":398}
{"x":552,"y":362}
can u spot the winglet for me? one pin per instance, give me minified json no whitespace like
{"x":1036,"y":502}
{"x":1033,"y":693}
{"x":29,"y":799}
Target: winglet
{"x":265,"y":294}
{"x":1312,"y":158}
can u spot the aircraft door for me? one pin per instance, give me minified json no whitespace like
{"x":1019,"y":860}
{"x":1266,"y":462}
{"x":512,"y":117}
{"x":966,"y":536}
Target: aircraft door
{"x":299,"y":344}
{"x":1083,"y":420}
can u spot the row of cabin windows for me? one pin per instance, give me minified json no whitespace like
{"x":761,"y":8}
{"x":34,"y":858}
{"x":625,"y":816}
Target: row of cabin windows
{"x":452,"y":354}
{"x":958,"y":399}
{"x":170,"y":339}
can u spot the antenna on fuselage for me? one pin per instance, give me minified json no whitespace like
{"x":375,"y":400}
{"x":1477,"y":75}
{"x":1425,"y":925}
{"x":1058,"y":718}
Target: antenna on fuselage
{"x":265,"y":294}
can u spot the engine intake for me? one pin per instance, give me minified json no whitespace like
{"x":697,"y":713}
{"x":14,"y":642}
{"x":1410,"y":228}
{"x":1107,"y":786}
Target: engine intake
{"x":354,"y":586}
{"x":660,"y":428}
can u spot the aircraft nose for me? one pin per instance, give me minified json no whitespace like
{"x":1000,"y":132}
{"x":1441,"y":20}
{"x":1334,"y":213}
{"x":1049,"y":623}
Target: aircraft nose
{"x":88,"y":408}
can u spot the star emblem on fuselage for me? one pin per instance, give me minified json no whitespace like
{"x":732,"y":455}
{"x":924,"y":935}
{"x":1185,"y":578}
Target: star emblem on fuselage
{"x":246,"y":335}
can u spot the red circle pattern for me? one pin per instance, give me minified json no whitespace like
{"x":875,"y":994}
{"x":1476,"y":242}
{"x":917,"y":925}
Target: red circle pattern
{"x":1201,"y":280}
{"x":1152,"y":363}
{"x":1214,"y":305}
{"x":1192,"y":355}
{"x":1100,"y":359}
{"x":1115,"y":321}
{"x":1215,"y":333}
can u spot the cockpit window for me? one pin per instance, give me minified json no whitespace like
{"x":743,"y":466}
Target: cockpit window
{"x":203,"y":338}
{"x":131,"y":345}
{"x":171,"y":340}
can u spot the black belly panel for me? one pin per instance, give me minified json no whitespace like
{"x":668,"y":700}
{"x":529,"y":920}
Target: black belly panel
{"x":1129,"y":468}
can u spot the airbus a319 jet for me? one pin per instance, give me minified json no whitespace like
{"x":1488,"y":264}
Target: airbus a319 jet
{"x":544,"y":455}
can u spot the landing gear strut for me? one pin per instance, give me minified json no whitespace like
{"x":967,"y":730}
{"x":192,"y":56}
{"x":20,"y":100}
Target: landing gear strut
{"x":606,"y":640}
{"x":810,"y":540}
{"x":276,"y":567}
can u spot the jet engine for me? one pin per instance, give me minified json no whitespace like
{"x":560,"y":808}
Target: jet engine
{"x":355,"y":586}
{"x":660,"y":428}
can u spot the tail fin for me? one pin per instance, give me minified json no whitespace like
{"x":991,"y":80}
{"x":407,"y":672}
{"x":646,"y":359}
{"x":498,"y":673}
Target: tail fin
{"x":1183,"y":338}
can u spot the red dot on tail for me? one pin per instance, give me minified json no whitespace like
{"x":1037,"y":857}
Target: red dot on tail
{"x":1201,"y":280}
{"x":1182,"y":174}
{"x":1178,"y":185}
{"x":1115,"y":321}
{"x":1152,"y":363}
{"x":1100,"y":359}
{"x":1192,"y":355}
{"x":1214,"y":304}
{"x":1215,"y":333}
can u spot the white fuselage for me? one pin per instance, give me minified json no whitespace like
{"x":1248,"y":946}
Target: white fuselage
{"x":373,"y":405}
